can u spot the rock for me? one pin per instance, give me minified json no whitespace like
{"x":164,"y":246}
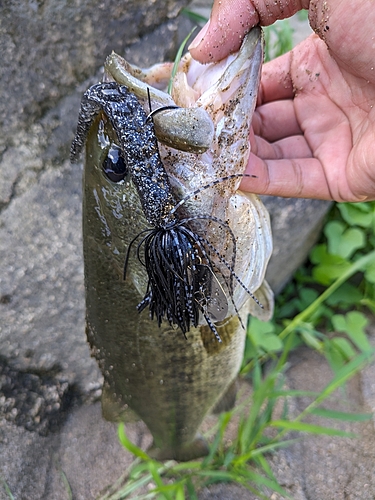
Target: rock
{"x":322,"y":467}
{"x":83,"y":458}
{"x":329,"y":467}
{"x":296,"y":225}
{"x":41,"y":272}
{"x":46,"y":370}
{"x":49,"y":47}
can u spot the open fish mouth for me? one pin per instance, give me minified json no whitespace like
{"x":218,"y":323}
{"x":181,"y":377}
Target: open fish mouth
{"x":203,"y":247}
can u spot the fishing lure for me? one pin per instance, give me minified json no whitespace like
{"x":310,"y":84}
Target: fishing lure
{"x":182,"y":275}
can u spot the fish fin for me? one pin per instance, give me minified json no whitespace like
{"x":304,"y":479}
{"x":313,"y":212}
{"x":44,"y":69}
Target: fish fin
{"x":226,"y":329}
{"x":196,"y":449}
{"x":115,"y":411}
{"x":265,"y":296}
{"x":227,"y":400}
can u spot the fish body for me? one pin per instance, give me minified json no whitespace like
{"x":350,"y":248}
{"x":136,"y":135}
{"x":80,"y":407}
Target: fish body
{"x":169,"y":380}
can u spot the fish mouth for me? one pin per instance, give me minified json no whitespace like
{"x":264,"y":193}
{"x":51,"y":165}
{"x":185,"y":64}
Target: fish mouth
{"x":216,"y":104}
{"x":200,"y":92}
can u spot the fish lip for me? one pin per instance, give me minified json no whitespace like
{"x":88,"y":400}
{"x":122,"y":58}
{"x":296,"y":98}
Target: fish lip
{"x":191,"y":127}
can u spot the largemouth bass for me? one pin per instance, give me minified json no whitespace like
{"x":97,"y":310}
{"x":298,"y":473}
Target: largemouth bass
{"x":195,"y":248}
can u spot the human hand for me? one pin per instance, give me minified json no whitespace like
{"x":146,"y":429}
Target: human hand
{"x":314,"y":126}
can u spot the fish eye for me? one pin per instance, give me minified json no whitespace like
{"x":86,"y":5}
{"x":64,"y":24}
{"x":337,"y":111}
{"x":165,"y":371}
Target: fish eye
{"x":114,"y":165}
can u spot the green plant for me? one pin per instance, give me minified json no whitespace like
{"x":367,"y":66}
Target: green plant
{"x":7,"y":489}
{"x":64,"y":479}
{"x":177,"y":60}
{"x":278,"y":39}
{"x":333,"y":320}
{"x":303,"y":15}
{"x":244,"y":459}
{"x":196,"y":18}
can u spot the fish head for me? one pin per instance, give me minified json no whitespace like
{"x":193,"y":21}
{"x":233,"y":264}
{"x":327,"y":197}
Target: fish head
{"x":112,"y":210}
{"x":204,"y":148}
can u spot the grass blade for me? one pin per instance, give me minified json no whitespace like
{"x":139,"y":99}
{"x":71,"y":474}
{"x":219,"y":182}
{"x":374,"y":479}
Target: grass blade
{"x":224,"y":420}
{"x":260,"y":480}
{"x":160,"y":486}
{"x":184,"y":466}
{"x":129,"y":445}
{"x":263,"y":449}
{"x":310,"y":428}
{"x":130,"y":487}
{"x":191,"y":490}
{"x":194,"y":16}
{"x":180,"y":494}
{"x":292,"y":393}
{"x":7,"y":489}
{"x":67,"y":486}
{"x":341,"y":377}
{"x":177,"y":60}
{"x":340,"y":415}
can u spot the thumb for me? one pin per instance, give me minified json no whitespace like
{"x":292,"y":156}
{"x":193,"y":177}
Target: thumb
{"x":230,"y":20}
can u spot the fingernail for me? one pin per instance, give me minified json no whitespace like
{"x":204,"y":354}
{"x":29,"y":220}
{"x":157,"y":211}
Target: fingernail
{"x":199,"y":38}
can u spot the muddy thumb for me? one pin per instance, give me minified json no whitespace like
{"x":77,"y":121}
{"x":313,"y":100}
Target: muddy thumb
{"x":231,"y":19}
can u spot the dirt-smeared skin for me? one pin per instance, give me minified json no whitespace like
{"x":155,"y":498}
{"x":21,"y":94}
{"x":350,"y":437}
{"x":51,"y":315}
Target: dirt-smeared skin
{"x":170,"y":382}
